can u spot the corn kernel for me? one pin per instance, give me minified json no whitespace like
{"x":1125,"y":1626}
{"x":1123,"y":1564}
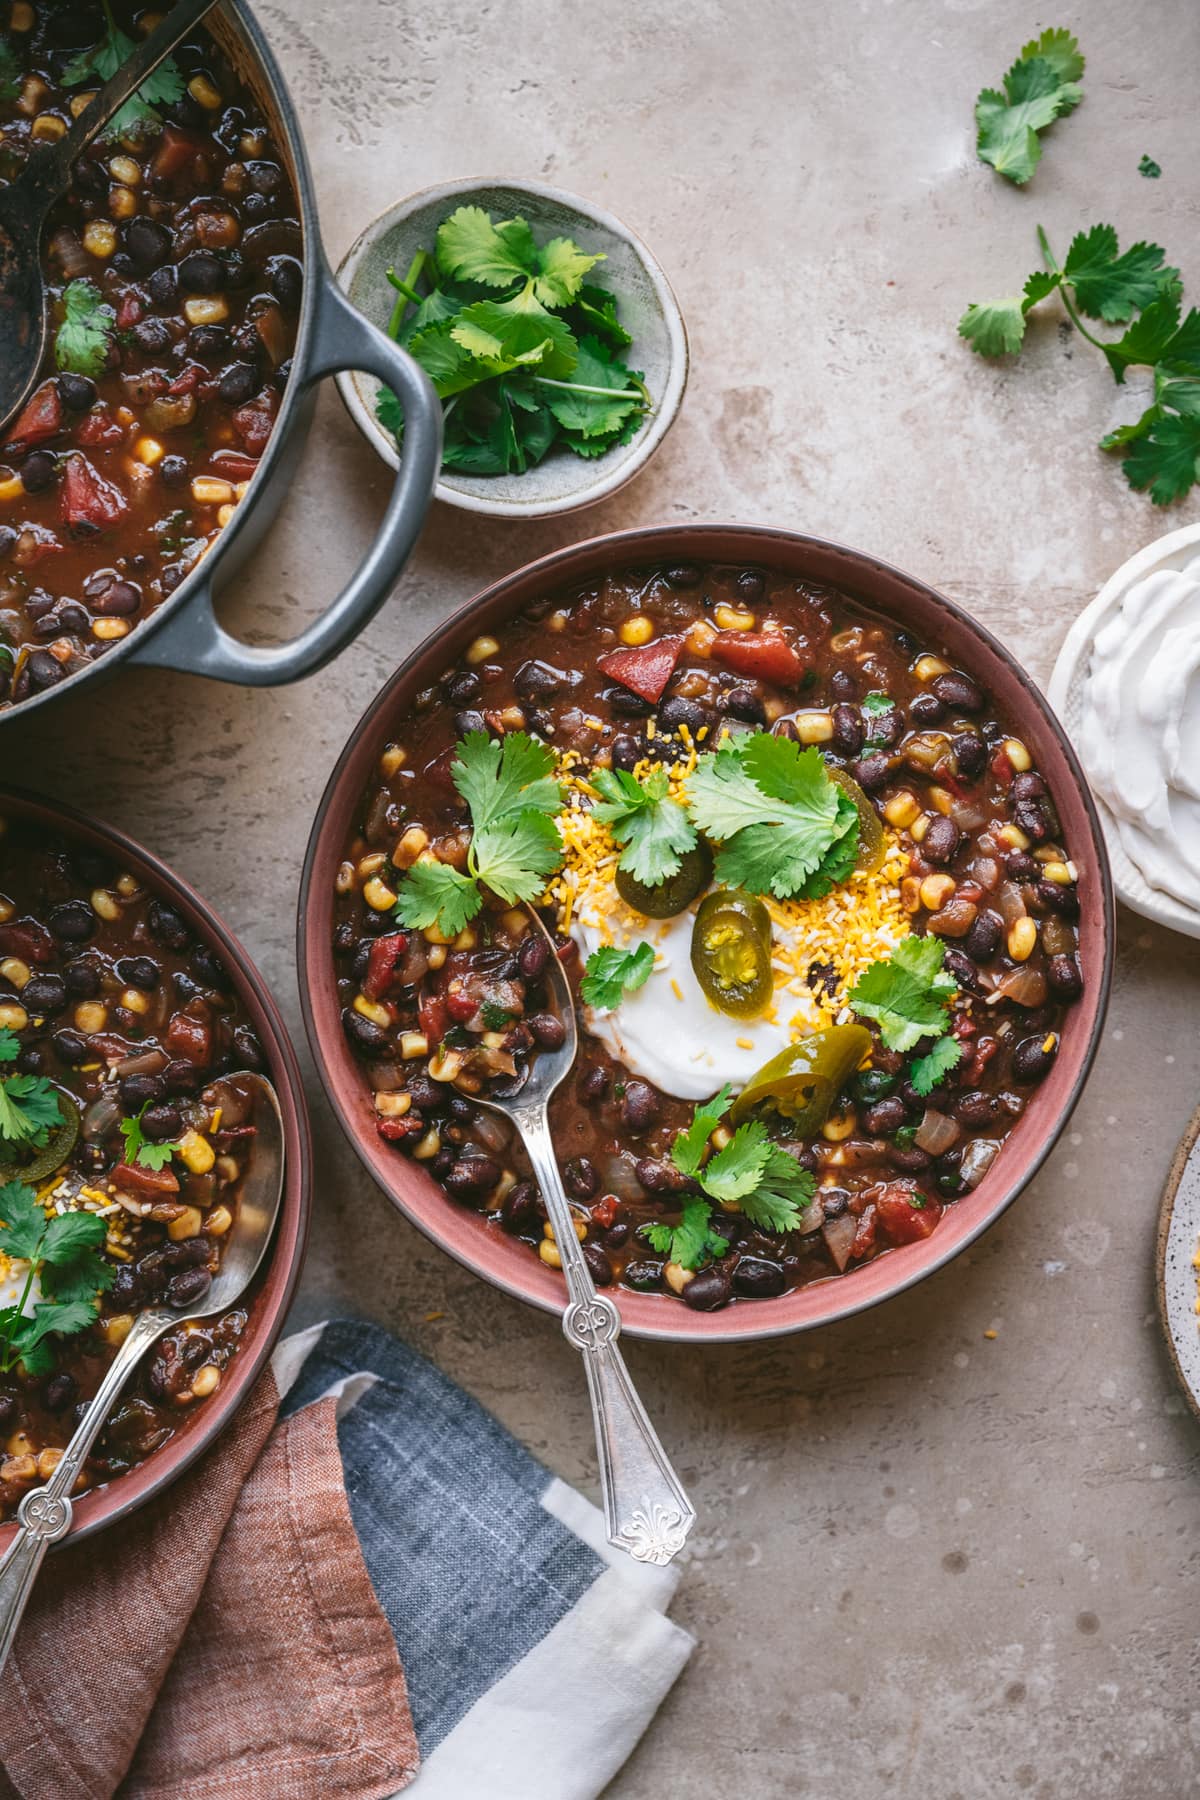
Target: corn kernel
{"x":409,"y":846}
{"x":437,"y":956}
{"x":901,"y":810}
{"x":206,"y":1381}
{"x":1022,"y":939}
{"x":12,"y":1016}
{"x":814,"y":727}
{"x":20,"y":1444}
{"x":48,"y":1460}
{"x":148,"y":450}
{"x":677,"y":1277}
{"x":378,"y":895}
{"x":33,"y":95}
{"x":114,"y":1331}
{"x":134,"y":1001}
{"x":371,"y":865}
{"x":7,"y":909}
{"x":100,"y":238}
{"x":700,"y":637}
{"x":218,"y":1221}
{"x":227,"y":1166}
{"x":733,"y":618}
{"x":11,"y":487}
{"x":21,"y":16}
{"x":1018,"y":755}
{"x":550,"y":1254}
{"x":481,"y":649}
{"x":208,"y":491}
{"x":428,"y":1146}
{"x":225,"y":515}
{"x":936,"y":890}
{"x":80,"y":103}
{"x":125,"y":170}
{"x":942,"y":799}
{"x":513,"y":718}
{"x":372,"y":1010}
{"x":1058,"y":873}
{"x":196,"y":1153}
{"x":772,"y":709}
{"x":392,"y":1106}
{"x":19,"y":1468}
{"x":413,"y":1044}
{"x":919,"y":827}
{"x":15,"y":971}
{"x":466,"y":939}
{"x":105,"y":906}
{"x":109,"y":630}
{"x":394,"y":757}
{"x":122,"y":203}
{"x":910,"y":893}
{"x":343,"y":881}
{"x":637,"y":629}
{"x":127,"y":886}
{"x":557,"y":621}
{"x":204,"y":93}
{"x":47,"y":128}
{"x":187,"y":1225}
{"x":837,"y":1127}
{"x":206,"y":309}
{"x":1012,"y":837}
{"x":447,"y":1065}
{"x":926,"y":668}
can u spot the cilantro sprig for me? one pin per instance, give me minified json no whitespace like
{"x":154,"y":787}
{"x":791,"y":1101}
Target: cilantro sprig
{"x":82,"y":339}
{"x":515,"y":844}
{"x":28,"y":1103}
{"x":783,"y":826}
{"x":523,"y":350}
{"x":139,"y":1149}
{"x":1041,"y":86}
{"x":908,"y":995}
{"x":653,"y":829}
{"x":611,"y":972}
{"x":751,"y":1172}
{"x":1139,"y":289}
{"x":162,"y":87}
{"x":927,"y":1071}
{"x":63,"y":1256}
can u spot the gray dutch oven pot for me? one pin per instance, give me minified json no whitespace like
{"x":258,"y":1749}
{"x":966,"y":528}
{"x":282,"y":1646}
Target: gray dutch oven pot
{"x":183,"y":633}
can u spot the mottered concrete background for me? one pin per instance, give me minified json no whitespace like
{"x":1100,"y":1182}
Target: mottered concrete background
{"x":930,"y":1562}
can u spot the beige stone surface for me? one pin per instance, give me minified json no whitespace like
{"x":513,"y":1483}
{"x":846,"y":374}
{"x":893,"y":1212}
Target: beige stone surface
{"x":930,"y":1562}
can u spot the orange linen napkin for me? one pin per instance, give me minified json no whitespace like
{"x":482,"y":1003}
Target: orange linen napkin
{"x":224,"y":1643}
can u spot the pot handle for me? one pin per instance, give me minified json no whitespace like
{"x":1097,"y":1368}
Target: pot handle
{"x":195,"y":643}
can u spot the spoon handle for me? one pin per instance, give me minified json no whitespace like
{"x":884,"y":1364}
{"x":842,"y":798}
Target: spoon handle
{"x":44,"y":1514}
{"x":646,"y":1511}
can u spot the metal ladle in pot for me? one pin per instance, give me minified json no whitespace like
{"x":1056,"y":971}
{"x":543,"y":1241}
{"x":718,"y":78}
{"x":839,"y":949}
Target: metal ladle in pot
{"x":44,"y":1515}
{"x":25,"y":205}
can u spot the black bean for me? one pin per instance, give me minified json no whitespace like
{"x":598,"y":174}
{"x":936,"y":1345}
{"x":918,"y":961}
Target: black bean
{"x":884,"y":728}
{"x":162,"y":287}
{"x":958,"y":692}
{"x":658,"y":1174}
{"x":843,"y":685}
{"x":248,"y":1048}
{"x":627,"y":752}
{"x":8,"y":1408}
{"x":60,"y":1391}
{"x":38,"y":471}
{"x":238,"y":382}
{"x":139,"y":972}
{"x":885,"y":1116}
{"x":925,"y":709}
{"x":600,"y":1267}
{"x":136,"y":1090}
{"x":639,"y":1107}
{"x":1062,"y":974}
{"x":912,"y":1160}
{"x":983,"y":939}
{"x":188,"y":1253}
{"x":622,"y":700}
{"x":462,"y":687}
{"x":188,"y":1286}
{"x":208,"y":343}
{"x":1059,"y":897}
{"x":1020,"y":865}
{"x":1032,"y":817}
{"x":872,"y":771}
{"x":469,"y":720}
{"x":70,"y":1047}
{"x":594,"y":1084}
{"x":120,"y":600}
{"x":976,"y":1109}
{"x":173,"y":471}
{"x":180,"y":1077}
{"x":709,"y":1289}
{"x":365,"y":1036}
{"x":256,"y":207}
{"x":743,"y":702}
{"x":162,"y":1122}
{"x":147,"y":243}
{"x":429,"y":1095}
{"x":970,"y":752}
{"x":127,"y":1287}
{"x":677,"y":711}
{"x":751,"y":584}
{"x":200,"y":272}
{"x":32,"y":1059}
{"x":152,"y":336}
{"x":941,"y":841}
{"x":44,"y":995}
{"x":757,"y":1278}
{"x":644,"y":1276}
{"x":1027,"y":786}
{"x":472,"y":1175}
{"x":963,"y":970}
{"x":82,"y":978}
{"x":848,"y":729}
{"x":580,"y":1178}
{"x":548,"y":1029}
{"x":287,"y":281}
{"x":533,"y":956}
{"x":1032,"y":1061}
{"x":264,"y":177}
{"x":78,"y":392}
{"x":683,"y":575}
{"x":166,"y":926}
{"x":518,"y":1209}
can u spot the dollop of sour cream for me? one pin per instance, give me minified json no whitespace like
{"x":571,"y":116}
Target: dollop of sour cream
{"x":1139,"y":739}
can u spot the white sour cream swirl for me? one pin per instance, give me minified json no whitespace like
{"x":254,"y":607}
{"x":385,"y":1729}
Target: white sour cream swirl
{"x":1139,"y":739}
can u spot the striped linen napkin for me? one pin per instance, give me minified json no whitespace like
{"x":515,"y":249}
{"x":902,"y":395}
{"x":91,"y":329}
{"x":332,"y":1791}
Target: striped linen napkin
{"x":381,"y":1591}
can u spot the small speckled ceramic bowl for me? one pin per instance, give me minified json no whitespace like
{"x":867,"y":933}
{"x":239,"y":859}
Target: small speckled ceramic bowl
{"x":562,"y":482}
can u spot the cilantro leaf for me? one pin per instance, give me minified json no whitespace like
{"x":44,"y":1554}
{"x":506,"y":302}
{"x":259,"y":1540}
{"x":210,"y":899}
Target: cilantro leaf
{"x":514,"y":855}
{"x":81,"y":341}
{"x":997,"y":328}
{"x":689,"y":1242}
{"x":68,"y":1234}
{"x":1166,"y":460}
{"x":23,"y":1220}
{"x":138,"y":1149}
{"x":908,"y":995}
{"x":162,"y":87}
{"x":471,"y":248}
{"x":654,"y":829}
{"x":1060,"y":48}
{"x":10,"y":1045}
{"x":772,"y":808}
{"x":434,"y":893}
{"x":687,"y":1152}
{"x":562,"y":266}
{"x":765,"y":1183}
{"x":28,"y":1108}
{"x":595,"y":414}
{"x":838,"y":863}
{"x":494,"y":1017}
{"x":1041,"y":86}
{"x":27,"y":1339}
{"x":10,"y":73}
{"x":928,"y":1070}
{"x":1157,"y":336}
{"x":517,"y":331}
{"x":595,"y":310}
{"x":610,"y":972}
{"x":500,"y":778}
{"x":63,"y":1253}
{"x":1114,"y":285}
{"x":1148,"y":167}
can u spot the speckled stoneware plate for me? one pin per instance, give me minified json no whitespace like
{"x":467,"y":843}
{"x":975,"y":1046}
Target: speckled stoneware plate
{"x":1066,"y":692}
{"x":1178,"y":1236}
{"x":562,"y":482}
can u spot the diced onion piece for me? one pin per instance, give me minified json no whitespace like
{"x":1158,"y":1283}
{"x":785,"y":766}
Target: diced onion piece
{"x":936,"y":1133}
{"x":978,"y":1158}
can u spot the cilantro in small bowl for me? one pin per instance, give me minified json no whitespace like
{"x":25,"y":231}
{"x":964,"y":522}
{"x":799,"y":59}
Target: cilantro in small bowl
{"x":549,"y":331}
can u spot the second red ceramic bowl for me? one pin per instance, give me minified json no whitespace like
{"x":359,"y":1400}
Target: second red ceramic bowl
{"x":907,"y":602}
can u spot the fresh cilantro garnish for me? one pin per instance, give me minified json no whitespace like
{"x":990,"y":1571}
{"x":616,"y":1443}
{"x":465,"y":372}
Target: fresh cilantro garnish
{"x":10,"y":72}
{"x":162,"y":87}
{"x":522,"y":350}
{"x":28,"y":1103}
{"x":138,"y":1148}
{"x":1161,"y":449}
{"x":766,"y":1184}
{"x":928,"y":1070}
{"x":1148,"y":167}
{"x":874,"y":704}
{"x":653,"y":829}
{"x":1041,"y":86}
{"x":494,"y":1017}
{"x":908,"y":995}
{"x":81,"y":341}
{"x":63,"y":1256}
{"x":610,"y":971}
{"x":515,"y":844}
{"x":782,"y":824}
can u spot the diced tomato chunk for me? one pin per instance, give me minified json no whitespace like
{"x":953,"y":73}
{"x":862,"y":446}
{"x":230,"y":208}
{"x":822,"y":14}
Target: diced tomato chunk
{"x":255,"y":421}
{"x":605,"y":1211}
{"x":187,"y":381}
{"x":1001,"y":768}
{"x":905,"y":1214}
{"x":189,"y":1039}
{"x":762,"y":655}
{"x":133,"y":1178}
{"x":381,"y":964}
{"x":864,"y":1237}
{"x":130,"y":309}
{"x":176,"y":151}
{"x":42,"y":417}
{"x":395,"y":1131}
{"x":99,"y":427}
{"x":433,"y":1017}
{"x":646,"y":670}
{"x":89,"y":503}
